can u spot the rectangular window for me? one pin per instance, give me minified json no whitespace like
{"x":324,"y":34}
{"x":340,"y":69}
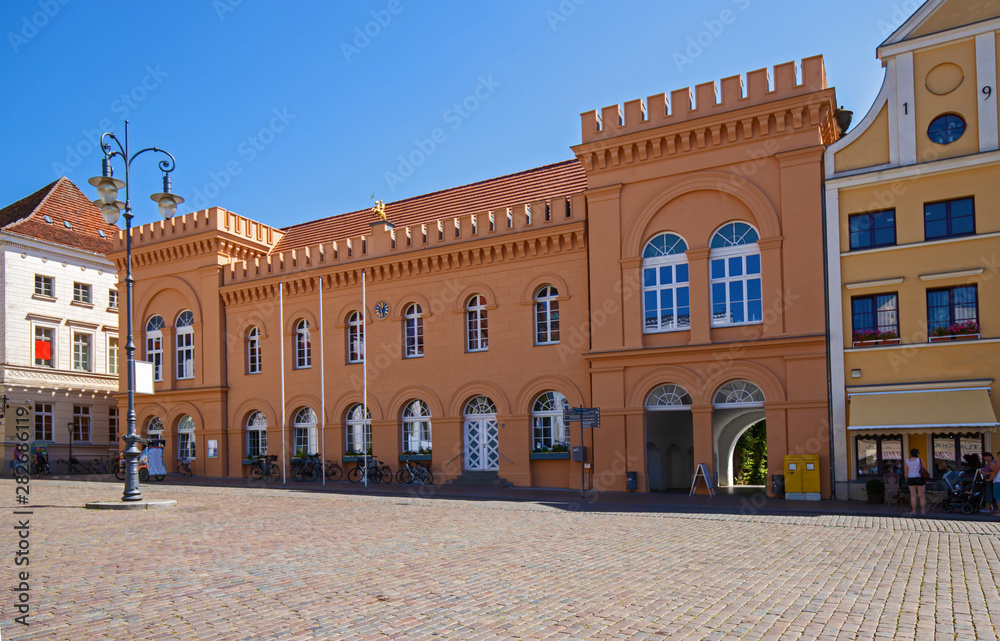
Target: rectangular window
{"x":949,"y":451}
{"x":954,"y":310}
{"x":949,"y":218}
{"x":306,"y":440}
{"x":81,"y":293}
{"x":112,"y":354}
{"x":875,"y":317}
{"x":875,"y":229}
{"x":45,"y":346}
{"x":185,"y":353}
{"x":666,"y":299}
{"x":43,"y":421}
{"x":878,"y":455}
{"x":736,"y":290}
{"x":416,"y":436}
{"x":82,"y":344}
{"x":154,"y":353}
{"x":112,"y":299}
{"x":81,"y":423}
{"x":113,"y":424}
{"x":44,"y":286}
{"x":256,"y":442}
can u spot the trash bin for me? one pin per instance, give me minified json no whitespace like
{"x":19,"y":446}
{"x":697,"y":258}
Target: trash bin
{"x":778,"y":484}
{"x":631,"y":481}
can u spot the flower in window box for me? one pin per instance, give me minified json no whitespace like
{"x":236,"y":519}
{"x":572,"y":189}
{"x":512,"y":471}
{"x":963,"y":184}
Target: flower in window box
{"x":967,"y":329}
{"x":875,"y":337}
{"x":424,"y":450}
{"x":560,"y":447}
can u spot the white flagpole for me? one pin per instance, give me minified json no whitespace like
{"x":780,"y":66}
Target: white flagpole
{"x":364,"y":374}
{"x":322,"y":388}
{"x":281,"y":331}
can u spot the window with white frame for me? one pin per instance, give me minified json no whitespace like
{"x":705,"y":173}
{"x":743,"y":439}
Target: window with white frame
{"x":154,"y":345}
{"x":739,"y":393}
{"x":43,"y":421}
{"x":256,"y":434}
{"x":305,"y":431}
{"x":355,"y":338}
{"x":548,"y":429}
{"x":154,"y":429}
{"x":547,"y":316}
{"x":735,"y":276}
{"x":359,"y":430}
{"x":112,"y":354}
{"x":112,"y":299}
{"x":254,"y":351}
{"x":113,"y":424}
{"x":413,"y":332}
{"x":45,"y":286}
{"x":82,"y":293}
{"x":477,"y":333}
{"x":185,"y":344}
{"x":668,"y":397}
{"x":303,"y":345}
{"x":416,"y":428}
{"x":185,"y":438}
{"x":45,"y":346}
{"x":83,"y":351}
{"x":81,"y":423}
{"x":666,"y":302}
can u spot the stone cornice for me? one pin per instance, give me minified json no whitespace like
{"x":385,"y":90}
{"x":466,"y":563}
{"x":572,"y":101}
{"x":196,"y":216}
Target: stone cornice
{"x":58,"y":379}
{"x":211,"y":244}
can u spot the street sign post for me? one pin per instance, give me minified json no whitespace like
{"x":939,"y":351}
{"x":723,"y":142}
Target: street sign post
{"x":588,"y":418}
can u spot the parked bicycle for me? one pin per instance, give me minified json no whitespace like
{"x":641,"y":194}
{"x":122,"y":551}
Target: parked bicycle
{"x":377,"y":472}
{"x":264,"y":467}
{"x":333,"y":471}
{"x":102,"y":465}
{"x":74,"y":466}
{"x":308,"y":469}
{"x":416,"y":474}
{"x":184,"y":467}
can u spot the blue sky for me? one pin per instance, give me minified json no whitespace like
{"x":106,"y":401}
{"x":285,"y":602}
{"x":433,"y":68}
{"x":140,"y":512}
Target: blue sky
{"x":287,"y":112}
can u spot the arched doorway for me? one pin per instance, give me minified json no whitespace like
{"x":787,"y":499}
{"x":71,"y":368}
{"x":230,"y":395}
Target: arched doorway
{"x":482,"y":435}
{"x":747,"y":461}
{"x":669,"y":438}
{"x":738,"y":406}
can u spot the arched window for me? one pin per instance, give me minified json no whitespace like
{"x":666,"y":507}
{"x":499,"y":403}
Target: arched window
{"x":666,"y":303}
{"x":735,"y":267}
{"x":668,"y":397}
{"x":416,"y":428}
{"x":355,"y":338}
{"x":480,"y":406}
{"x":413,"y":332}
{"x":303,"y":345}
{"x":154,"y":345}
{"x":739,"y":394}
{"x":256,"y":434}
{"x":548,"y":427}
{"x":253,"y":351}
{"x":477,"y":334}
{"x":359,"y":430}
{"x":547,"y":316}
{"x":306,"y":434}
{"x":185,"y":345}
{"x":185,"y":438}
{"x":154,"y":428}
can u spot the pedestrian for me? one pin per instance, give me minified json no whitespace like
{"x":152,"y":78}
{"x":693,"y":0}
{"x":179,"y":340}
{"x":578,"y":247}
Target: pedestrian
{"x":996,"y":481}
{"x":988,"y":472}
{"x":914,"y":478}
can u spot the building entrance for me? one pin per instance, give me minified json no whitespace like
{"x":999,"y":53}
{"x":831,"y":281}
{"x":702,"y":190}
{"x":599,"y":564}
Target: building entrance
{"x":482,"y":435}
{"x":669,"y":438}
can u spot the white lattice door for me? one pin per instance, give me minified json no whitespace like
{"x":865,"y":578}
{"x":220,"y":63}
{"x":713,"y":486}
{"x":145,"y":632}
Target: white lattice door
{"x":482,"y":443}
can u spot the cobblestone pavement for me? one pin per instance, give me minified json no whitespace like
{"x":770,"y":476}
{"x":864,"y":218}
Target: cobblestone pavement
{"x":255,"y":563}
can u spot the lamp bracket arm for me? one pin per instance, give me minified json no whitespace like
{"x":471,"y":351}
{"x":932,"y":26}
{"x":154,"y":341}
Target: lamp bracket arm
{"x":166,"y":165}
{"x":106,"y":146}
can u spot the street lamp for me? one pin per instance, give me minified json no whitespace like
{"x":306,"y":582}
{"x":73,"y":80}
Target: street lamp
{"x":107,"y":190}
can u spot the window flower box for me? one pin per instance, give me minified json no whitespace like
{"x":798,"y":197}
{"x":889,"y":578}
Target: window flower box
{"x":544,"y":456}
{"x":353,"y":458}
{"x":877,"y":342}
{"x":953,"y":337}
{"x":414,"y":457}
{"x":248,"y":461}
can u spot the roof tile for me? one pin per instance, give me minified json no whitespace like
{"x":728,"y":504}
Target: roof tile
{"x":62,"y":201}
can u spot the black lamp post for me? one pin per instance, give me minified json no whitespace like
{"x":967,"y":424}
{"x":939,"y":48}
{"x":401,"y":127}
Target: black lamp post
{"x":107,"y":190}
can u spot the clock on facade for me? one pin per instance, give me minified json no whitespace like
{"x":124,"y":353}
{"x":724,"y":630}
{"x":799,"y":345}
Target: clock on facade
{"x":381,"y":310}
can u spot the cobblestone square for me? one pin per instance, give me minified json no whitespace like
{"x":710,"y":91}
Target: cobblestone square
{"x":254,"y":563}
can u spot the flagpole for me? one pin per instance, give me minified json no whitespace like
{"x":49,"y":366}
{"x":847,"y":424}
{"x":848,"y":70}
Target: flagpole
{"x":364,"y":374}
{"x":281,"y":332}
{"x":322,"y":388}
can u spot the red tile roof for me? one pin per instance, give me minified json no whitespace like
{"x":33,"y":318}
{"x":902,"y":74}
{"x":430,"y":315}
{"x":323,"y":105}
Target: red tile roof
{"x":562,"y":178}
{"x":61,"y":201}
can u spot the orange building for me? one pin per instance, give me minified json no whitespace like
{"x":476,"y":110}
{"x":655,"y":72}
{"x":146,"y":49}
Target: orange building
{"x":671,"y":274}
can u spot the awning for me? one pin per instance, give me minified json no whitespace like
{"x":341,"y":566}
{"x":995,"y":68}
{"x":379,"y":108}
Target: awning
{"x":922,"y":410}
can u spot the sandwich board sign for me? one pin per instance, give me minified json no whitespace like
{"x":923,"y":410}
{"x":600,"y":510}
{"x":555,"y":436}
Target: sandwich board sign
{"x":702,"y":472}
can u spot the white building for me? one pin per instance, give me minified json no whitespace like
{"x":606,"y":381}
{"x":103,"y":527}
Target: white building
{"x":60,"y":348}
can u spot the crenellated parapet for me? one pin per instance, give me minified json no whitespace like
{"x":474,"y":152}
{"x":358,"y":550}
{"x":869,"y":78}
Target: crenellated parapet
{"x":517,"y":231}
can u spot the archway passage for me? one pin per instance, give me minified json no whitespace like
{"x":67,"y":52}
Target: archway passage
{"x":748,"y":461}
{"x":669,"y":438}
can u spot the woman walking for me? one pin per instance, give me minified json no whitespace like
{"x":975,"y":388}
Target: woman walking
{"x":914,"y":478}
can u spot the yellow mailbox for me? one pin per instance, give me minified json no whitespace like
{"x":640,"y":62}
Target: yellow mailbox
{"x":793,"y":476}
{"x":802,"y":480}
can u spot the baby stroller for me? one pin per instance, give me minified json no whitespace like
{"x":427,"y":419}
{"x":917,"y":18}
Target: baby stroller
{"x":968,"y":495}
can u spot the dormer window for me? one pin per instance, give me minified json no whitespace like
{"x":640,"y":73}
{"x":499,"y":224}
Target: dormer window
{"x":47,"y":219}
{"x":67,"y":224}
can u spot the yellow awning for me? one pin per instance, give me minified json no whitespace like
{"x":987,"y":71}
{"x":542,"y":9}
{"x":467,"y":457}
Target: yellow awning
{"x":924,"y":409}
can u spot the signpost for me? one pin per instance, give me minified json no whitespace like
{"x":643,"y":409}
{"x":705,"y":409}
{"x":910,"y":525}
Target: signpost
{"x":588,"y":418}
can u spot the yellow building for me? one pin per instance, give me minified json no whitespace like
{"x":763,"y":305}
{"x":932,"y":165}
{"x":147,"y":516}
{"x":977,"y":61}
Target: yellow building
{"x":913,"y":239}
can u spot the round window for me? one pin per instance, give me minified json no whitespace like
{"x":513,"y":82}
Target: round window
{"x":946,"y":129}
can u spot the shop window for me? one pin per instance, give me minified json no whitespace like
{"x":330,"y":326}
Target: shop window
{"x":878,"y":455}
{"x":950,"y":451}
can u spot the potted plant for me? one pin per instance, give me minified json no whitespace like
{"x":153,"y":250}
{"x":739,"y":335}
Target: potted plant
{"x":964,"y":331}
{"x":872,"y":337}
{"x":423,"y":454}
{"x":875,"y":489}
{"x":557,"y":451}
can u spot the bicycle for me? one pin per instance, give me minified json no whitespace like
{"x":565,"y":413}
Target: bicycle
{"x":309,"y":469}
{"x":264,"y":467}
{"x":333,"y":471}
{"x":417,"y":474}
{"x":184,"y":467}
{"x":74,"y":466}
{"x":377,"y":472}
{"x":101,"y":465}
